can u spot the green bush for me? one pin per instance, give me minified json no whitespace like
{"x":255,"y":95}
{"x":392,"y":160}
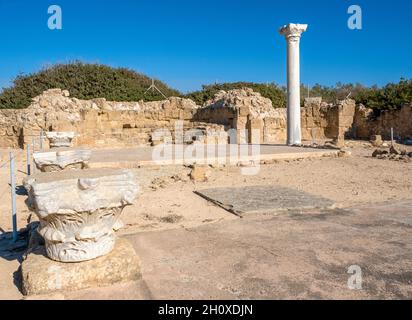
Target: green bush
{"x":271,"y":91}
{"x":88,"y":81}
{"x":84,"y":81}
{"x":392,"y":96}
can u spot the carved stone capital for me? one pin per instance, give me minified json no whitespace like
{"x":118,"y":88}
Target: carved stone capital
{"x":78,"y":210}
{"x":60,"y":139}
{"x":293,"y":31}
{"x":54,"y":161}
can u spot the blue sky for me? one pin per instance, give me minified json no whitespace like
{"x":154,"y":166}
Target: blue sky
{"x":190,"y":43}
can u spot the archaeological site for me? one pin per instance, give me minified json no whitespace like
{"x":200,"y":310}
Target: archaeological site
{"x":115,"y":186}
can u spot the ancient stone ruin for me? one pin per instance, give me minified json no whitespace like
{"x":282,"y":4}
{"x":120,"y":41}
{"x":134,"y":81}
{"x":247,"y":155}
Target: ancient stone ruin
{"x":53,"y":161}
{"x":101,"y":123}
{"x":60,"y":139}
{"x":78,"y":210}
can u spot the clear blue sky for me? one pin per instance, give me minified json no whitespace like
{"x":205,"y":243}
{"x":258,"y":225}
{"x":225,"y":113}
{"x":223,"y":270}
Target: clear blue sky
{"x":190,"y":43}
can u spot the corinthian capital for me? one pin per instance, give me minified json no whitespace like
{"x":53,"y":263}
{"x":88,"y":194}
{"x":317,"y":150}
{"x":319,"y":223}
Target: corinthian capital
{"x":293,"y":31}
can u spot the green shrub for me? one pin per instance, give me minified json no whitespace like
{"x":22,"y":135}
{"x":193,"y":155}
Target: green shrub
{"x":88,"y":81}
{"x":392,"y":96}
{"x":84,"y":81}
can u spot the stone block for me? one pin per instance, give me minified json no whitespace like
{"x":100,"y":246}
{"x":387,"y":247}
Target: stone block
{"x":114,"y":115}
{"x":61,"y":160}
{"x":199,"y":173}
{"x":376,"y":140}
{"x":40,"y":275}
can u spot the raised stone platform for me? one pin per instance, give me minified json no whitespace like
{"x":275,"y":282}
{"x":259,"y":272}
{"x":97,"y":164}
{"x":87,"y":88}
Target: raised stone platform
{"x":144,"y":156}
{"x":40,"y":275}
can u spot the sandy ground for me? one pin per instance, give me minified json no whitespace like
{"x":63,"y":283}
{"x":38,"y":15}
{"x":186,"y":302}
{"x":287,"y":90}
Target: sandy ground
{"x":167,"y":200}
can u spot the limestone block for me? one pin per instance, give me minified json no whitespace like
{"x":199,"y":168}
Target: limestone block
{"x":90,"y":115}
{"x":199,"y":173}
{"x":244,"y":111}
{"x":41,"y":275}
{"x":255,"y":131}
{"x":63,"y":126}
{"x":61,"y":160}
{"x":77,"y":210}
{"x":310,"y":122}
{"x":60,"y":139}
{"x":114,"y":115}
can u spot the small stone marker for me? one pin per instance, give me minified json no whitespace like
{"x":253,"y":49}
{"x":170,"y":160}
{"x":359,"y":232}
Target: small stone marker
{"x":376,"y":140}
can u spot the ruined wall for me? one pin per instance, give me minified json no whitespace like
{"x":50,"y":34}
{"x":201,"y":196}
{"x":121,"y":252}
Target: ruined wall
{"x":97,"y":122}
{"x":324,"y":121}
{"x":247,"y":110}
{"x":367,"y":124}
{"x":101,"y":123}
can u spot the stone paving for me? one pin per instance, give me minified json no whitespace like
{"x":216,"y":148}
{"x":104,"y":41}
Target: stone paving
{"x":258,"y":199}
{"x":290,"y":256}
{"x":134,"y":157}
{"x":287,"y":256}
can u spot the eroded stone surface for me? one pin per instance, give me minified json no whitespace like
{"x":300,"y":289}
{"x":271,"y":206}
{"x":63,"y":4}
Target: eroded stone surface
{"x":61,"y":160}
{"x":78,"y":210}
{"x":60,"y":139}
{"x":41,"y":275}
{"x":263,"y":199}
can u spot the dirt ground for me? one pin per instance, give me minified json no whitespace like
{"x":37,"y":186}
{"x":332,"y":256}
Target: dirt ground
{"x":167,"y":200}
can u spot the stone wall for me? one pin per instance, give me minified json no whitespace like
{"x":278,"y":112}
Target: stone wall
{"x":97,"y":122}
{"x":248,"y":110}
{"x":101,"y":123}
{"x":367,"y":124}
{"x":323,"y":121}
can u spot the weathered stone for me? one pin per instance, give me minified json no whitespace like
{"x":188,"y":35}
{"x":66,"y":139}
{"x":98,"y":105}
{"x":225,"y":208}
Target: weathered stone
{"x":376,"y":140}
{"x":79,"y":209}
{"x":199,"y":173}
{"x":61,"y":160}
{"x":43,"y":103}
{"x":263,"y":199}
{"x":124,"y":124}
{"x":60,"y":139}
{"x":379,"y":152}
{"x":394,"y":150}
{"x":339,"y":143}
{"x":344,"y":153}
{"x":41,"y":275}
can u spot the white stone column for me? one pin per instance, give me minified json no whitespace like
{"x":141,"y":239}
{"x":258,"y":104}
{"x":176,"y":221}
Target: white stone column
{"x":292,"y":33}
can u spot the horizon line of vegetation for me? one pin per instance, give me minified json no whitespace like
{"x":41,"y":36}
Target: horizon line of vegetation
{"x":89,"y":81}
